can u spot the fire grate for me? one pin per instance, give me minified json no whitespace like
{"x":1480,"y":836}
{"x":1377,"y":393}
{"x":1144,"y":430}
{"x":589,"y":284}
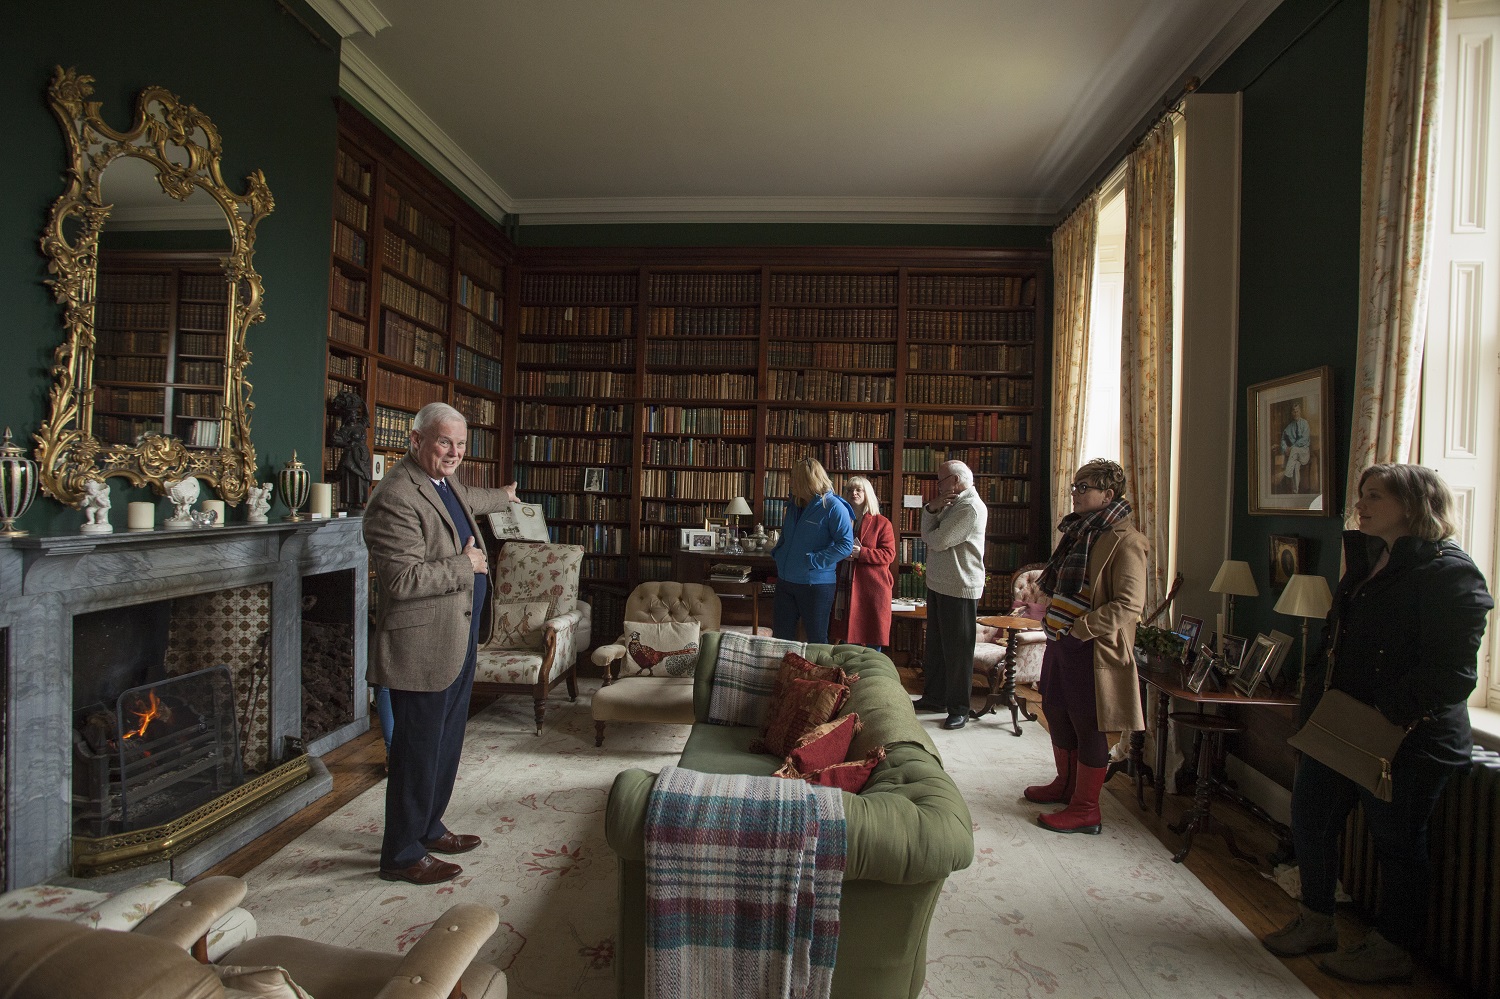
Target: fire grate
{"x":166,"y":748}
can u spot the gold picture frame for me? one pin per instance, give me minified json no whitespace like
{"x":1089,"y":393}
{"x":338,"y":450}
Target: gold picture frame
{"x":1290,"y":429}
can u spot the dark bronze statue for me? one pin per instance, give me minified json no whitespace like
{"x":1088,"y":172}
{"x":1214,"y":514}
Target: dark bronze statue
{"x":354,"y":465}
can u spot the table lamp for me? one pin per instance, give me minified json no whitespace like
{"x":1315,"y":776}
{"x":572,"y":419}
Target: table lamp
{"x":1306,"y":597}
{"x":737,"y":508}
{"x":1234,"y":580}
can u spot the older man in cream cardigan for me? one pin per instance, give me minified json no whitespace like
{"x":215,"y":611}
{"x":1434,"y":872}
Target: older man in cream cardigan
{"x":953,"y":528}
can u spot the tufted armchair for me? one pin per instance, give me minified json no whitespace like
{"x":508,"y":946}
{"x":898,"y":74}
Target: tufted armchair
{"x":538,"y":624}
{"x":666,"y":700}
{"x":989,"y":648}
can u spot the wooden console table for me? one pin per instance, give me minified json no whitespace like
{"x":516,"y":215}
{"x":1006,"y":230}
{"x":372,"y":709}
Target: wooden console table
{"x":693,"y":567}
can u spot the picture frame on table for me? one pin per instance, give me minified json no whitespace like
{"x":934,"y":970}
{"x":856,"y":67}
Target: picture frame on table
{"x":1289,"y":556}
{"x":1256,"y":665}
{"x":1284,"y":645}
{"x":1291,"y":443}
{"x":696,"y":539}
{"x":1188,"y":629}
{"x":1201,"y":672}
{"x":593,"y":480}
{"x":1234,"y":652}
{"x":714,"y":523}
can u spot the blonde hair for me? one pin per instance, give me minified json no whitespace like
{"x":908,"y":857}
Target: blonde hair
{"x":1422,"y":494}
{"x":809,"y":481}
{"x":871,"y":503}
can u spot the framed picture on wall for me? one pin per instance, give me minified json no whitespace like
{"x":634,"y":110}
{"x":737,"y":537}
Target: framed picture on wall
{"x":1291,"y":444}
{"x":1289,"y":555}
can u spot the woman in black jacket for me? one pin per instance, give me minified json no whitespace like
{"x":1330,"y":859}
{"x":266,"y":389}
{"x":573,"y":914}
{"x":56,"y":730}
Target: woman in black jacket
{"x":1403,"y":635}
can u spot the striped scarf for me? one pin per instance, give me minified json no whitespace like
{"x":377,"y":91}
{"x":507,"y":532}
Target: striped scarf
{"x":1065,"y":579}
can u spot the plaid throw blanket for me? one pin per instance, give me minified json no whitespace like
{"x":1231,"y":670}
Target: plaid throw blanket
{"x":744,"y":675}
{"x":743,"y":881}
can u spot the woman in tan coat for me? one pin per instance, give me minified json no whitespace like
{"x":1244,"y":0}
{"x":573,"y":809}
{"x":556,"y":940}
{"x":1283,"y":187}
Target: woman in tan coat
{"x":1096,"y":587}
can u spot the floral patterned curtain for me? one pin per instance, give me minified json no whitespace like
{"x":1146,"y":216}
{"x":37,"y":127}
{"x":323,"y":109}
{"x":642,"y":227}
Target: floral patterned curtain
{"x":1402,"y":98}
{"x":1073,"y":247}
{"x":1146,"y":345}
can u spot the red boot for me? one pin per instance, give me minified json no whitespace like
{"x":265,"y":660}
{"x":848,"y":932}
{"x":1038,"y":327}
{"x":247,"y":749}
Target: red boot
{"x":1082,"y":813}
{"x":1061,"y":789}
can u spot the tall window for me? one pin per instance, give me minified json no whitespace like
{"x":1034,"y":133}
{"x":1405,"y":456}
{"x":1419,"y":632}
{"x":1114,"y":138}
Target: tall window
{"x":1101,"y":434}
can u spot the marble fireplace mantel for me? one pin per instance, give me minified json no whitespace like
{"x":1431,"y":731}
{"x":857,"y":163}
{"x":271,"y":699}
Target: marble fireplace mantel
{"x":46,"y":581}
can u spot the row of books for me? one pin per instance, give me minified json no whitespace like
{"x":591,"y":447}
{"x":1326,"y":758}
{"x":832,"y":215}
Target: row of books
{"x":715,"y":386}
{"x":478,"y":335}
{"x":477,"y":409}
{"x":829,"y":386}
{"x":352,"y":172}
{"x":406,"y":214}
{"x":405,"y":391}
{"x":911,"y":550}
{"x":200,"y":404}
{"x":968,"y":390}
{"x":654,"y":567}
{"x":123,"y":430}
{"x":130,"y":342}
{"x":351,"y":295}
{"x":211,"y":344}
{"x":397,"y":294}
{"x":201,"y":433}
{"x":1016,"y":327}
{"x":481,"y":443}
{"x":982,"y":460}
{"x":584,"y":506}
{"x":834,"y":324}
{"x":478,"y":370}
{"x":604,"y":450}
{"x":802,"y":423}
{"x":405,"y":341}
{"x":778,"y":484}
{"x":805,"y":354}
{"x":133,"y":286}
{"x":391,"y":428}
{"x":600,"y":567}
{"x":208,"y":287}
{"x":583,"y":288}
{"x":599,"y":539}
{"x":346,"y":365}
{"x":834,"y":289}
{"x":472,"y":261}
{"x":683,"y":484}
{"x":1003,"y":520}
{"x":350,"y":245}
{"x":707,"y":420}
{"x":202,"y":316}
{"x":703,"y":353}
{"x":604,"y":353}
{"x":660,"y":539}
{"x":695,"y":451}
{"x":481,"y":475}
{"x":406,"y":258}
{"x":575,"y":383}
{"x":1005,"y":555}
{"x":478,"y":299}
{"x":123,"y":400}
{"x":138,"y":315}
{"x":972,"y":289}
{"x":1000,"y":427}
{"x":685,"y":321}
{"x":346,"y":329}
{"x":854,"y":456}
{"x":350,"y":210}
{"x":579,"y":320}
{"x":986,"y":357}
{"x":130,"y":369}
{"x":682,"y":514}
{"x":705,"y":287}
{"x":562,"y":479}
{"x":588,"y":418}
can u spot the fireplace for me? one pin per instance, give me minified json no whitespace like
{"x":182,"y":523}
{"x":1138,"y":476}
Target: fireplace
{"x":216,"y":620}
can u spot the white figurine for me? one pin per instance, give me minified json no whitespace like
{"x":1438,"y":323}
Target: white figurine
{"x":258,"y":501}
{"x":95,"y":506}
{"x":182,"y":493}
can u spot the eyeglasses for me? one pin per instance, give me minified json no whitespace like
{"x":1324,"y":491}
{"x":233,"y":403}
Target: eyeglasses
{"x":1079,"y":488}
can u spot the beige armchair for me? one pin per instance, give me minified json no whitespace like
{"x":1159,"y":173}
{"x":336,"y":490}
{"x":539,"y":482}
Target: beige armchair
{"x":51,"y":957}
{"x":663,"y":700}
{"x":535,"y":584}
{"x":989,"y":650}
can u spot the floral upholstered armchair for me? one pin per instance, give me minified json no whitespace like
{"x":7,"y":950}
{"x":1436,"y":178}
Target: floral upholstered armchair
{"x":1031,"y":646}
{"x":538,"y":624}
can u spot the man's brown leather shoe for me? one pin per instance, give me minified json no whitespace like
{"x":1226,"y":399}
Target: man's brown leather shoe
{"x":452,"y":842}
{"x":427,"y":871}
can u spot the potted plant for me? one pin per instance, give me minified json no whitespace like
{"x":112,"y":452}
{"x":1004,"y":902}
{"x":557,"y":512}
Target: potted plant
{"x":1161,"y":648}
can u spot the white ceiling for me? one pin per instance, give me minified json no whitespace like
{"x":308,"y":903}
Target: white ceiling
{"x":966,"y":111}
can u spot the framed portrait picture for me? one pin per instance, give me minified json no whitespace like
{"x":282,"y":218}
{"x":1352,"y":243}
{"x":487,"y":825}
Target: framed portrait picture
{"x":1202,"y":672}
{"x":377,"y":467}
{"x":1188,"y":629}
{"x":1234,"y":654}
{"x":1291,"y":444}
{"x":713,"y":523}
{"x":1284,"y":644}
{"x":1256,"y":665}
{"x":1289,"y":555}
{"x":593,"y":480}
{"x":695,"y":539}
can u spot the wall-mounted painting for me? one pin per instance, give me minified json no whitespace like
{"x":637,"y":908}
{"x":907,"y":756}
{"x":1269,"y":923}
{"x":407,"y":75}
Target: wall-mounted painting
{"x":1291,"y":444}
{"x":1288,"y":557}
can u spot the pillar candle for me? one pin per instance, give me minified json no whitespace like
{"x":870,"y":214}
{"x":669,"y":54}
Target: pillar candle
{"x":141,"y":517}
{"x":322,"y":500}
{"x":1219,"y":641}
{"x":216,"y":505}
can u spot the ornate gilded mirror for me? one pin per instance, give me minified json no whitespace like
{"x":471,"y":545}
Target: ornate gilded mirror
{"x":149,"y":381}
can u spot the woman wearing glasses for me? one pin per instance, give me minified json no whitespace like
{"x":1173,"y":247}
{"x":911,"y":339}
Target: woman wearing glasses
{"x":1096,"y":587}
{"x":817,"y":534}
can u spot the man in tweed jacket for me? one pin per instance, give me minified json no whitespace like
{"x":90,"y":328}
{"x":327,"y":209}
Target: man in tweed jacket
{"x":953,"y":529}
{"x":432,"y":568}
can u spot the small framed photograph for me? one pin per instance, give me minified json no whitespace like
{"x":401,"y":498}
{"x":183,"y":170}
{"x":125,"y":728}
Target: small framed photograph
{"x":1289,"y":555}
{"x":593,"y":480}
{"x":1257,"y":663}
{"x":1234,"y":654}
{"x":714,"y":523}
{"x":1202,"y":672}
{"x":1283,"y":646}
{"x":697,"y":540}
{"x":1188,"y":629}
{"x":377,"y":466}
{"x":1291,"y":444}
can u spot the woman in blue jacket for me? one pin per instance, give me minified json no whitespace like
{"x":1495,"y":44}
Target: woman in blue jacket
{"x":816,"y":536}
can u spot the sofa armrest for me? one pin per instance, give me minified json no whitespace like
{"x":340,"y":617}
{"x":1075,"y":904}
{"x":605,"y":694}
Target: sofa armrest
{"x":185,"y":917}
{"x":436,"y":962}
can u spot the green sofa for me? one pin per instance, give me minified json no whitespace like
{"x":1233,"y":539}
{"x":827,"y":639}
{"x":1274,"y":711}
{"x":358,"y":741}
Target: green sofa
{"x":907,"y":830}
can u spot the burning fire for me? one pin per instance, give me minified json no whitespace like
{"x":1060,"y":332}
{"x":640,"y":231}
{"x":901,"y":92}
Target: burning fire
{"x":147,"y":712}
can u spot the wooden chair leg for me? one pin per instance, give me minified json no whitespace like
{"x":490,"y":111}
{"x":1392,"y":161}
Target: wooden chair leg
{"x":541,"y":710}
{"x":598,"y":733}
{"x":573,"y":682}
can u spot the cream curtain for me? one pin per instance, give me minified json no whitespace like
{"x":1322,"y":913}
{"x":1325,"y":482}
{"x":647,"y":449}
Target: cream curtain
{"x":1073,"y":248}
{"x":1146,"y":345}
{"x":1402,"y":97}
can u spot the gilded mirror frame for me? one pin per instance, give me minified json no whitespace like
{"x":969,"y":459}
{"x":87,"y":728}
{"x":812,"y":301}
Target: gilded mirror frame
{"x":165,"y":132}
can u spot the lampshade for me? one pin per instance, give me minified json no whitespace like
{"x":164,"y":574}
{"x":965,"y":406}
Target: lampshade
{"x":1305,"y":596}
{"x":1234,"y":578}
{"x":737,"y":507}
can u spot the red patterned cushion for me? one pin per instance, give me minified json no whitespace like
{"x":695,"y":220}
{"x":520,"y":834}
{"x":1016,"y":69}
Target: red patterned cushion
{"x":803,"y":705}
{"x":794,"y":666}
{"x":825,"y":745}
{"x":852,"y":776}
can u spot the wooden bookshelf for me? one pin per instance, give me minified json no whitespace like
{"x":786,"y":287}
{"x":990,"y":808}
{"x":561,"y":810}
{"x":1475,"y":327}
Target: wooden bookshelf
{"x":418,"y":292}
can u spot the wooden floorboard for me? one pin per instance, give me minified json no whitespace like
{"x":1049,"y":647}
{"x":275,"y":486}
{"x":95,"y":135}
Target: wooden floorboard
{"x":1247,"y":892}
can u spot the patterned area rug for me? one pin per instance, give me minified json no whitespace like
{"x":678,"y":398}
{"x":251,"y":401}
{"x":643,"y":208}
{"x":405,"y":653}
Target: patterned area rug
{"x":1090,"y":915}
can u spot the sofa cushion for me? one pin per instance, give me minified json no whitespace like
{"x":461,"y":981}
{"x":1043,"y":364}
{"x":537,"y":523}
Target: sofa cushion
{"x":270,"y":982}
{"x":725,"y":749}
{"x":824,"y":746}
{"x":519,"y":626}
{"x":662,"y":647}
{"x":851,"y":776}
{"x":803,"y":706}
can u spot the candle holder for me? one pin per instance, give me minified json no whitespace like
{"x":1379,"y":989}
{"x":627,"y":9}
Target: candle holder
{"x":296,"y":483}
{"x":18,"y":480}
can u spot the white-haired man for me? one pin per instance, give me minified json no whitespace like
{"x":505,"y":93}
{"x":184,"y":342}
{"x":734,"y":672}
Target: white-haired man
{"x":432,"y":567}
{"x":953,"y":528}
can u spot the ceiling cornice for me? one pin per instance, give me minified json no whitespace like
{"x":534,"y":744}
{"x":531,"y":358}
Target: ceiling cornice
{"x":350,"y":17}
{"x":926,"y":211}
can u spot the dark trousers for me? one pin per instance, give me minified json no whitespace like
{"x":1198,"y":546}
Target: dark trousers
{"x":949,"y":658}
{"x":425,"y":747}
{"x":1321,"y":801}
{"x":811,"y":603}
{"x":1070,"y":702}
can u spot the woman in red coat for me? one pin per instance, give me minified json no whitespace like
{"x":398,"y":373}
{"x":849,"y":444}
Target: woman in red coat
{"x":862,"y":609}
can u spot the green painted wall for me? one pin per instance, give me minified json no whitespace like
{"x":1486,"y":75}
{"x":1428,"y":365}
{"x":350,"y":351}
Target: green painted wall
{"x":268,"y":84}
{"x":1302,"y":74}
